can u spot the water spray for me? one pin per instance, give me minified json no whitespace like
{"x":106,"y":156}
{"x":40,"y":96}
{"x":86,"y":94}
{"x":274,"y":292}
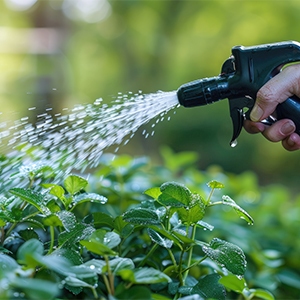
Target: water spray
{"x":242,"y":75}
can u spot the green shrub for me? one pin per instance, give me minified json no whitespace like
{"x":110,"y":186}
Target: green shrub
{"x":134,"y":230}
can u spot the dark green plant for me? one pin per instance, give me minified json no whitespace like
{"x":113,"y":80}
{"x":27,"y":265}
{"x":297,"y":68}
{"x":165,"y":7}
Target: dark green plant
{"x":61,"y":240}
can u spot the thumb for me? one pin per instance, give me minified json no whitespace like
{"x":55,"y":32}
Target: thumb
{"x":279,"y":88}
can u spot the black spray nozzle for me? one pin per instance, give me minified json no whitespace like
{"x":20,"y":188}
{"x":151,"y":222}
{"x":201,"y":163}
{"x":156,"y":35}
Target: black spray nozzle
{"x":203,"y":91}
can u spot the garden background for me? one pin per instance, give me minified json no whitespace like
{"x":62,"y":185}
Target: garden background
{"x":62,"y":53}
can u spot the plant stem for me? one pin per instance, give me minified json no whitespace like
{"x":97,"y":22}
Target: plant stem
{"x":195,"y":263}
{"x":185,"y":273}
{"x":147,"y":256}
{"x":110,"y":276}
{"x":51,"y":239}
{"x":106,"y":284}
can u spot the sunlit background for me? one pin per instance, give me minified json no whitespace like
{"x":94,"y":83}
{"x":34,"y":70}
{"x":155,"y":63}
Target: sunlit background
{"x":59,"y":53}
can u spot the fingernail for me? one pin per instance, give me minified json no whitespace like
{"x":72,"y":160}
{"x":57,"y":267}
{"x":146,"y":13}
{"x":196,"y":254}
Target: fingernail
{"x":256,"y":113}
{"x":287,"y":128}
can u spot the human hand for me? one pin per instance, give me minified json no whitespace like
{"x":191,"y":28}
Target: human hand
{"x":279,"y":88}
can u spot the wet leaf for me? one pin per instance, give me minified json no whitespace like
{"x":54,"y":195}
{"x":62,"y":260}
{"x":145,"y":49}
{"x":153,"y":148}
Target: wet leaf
{"x":160,"y":240}
{"x":209,"y":287}
{"x":67,"y":218}
{"x":89,"y":197}
{"x":241,"y":212}
{"x":78,"y":233}
{"x":194,"y":212}
{"x":144,"y":276}
{"x":141,"y":216}
{"x":227,"y":255}
{"x":30,"y":196}
{"x":177,"y":191}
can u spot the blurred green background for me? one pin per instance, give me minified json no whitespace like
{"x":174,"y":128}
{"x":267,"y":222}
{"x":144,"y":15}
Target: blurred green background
{"x":58,"y":53}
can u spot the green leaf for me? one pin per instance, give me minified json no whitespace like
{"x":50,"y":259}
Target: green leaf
{"x":89,"y":197}
{"x":262,"y":294}
{"x":78,"y":233}
{"x":141,"y":216}
{"x":226,"y":255}
{"x":241,"y":212}
{"x":144,"y":276}
{"x":153,"y":192}
{"x":52,"y":220}
{"x":75,"y":184}
{"x":109,"y":239}
{"x":194,"y":212}
{"x":100,"y":219}
{"x":55,"y":190}
{"x":7,"y":265}
{"x":233,"y":283}
{"x":209,"y":287}
{"x":28,"y":234}
{"x":122,"y":227}
{"x":29,"y":248}
{"x":215,"y":184}
{"x":116,"y":264}
{"x":102,"y":242}
{"x":75,"y":282}
{"x":177,"y":191}
{"x":157,"y":238}
{"x":36,"y":289}
{"x":168,"y":235}
{"x":30,"y":196}
{"x":168,"y":200}
{"x":67,"y":218}
{"x":97,"y":248}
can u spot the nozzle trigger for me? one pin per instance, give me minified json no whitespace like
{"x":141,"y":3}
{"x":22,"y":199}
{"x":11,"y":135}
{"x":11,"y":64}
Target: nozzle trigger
{"x":238,"y":116}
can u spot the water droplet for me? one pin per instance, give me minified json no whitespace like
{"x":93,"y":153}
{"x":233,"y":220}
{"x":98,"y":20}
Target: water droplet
{"x":233,"y":143}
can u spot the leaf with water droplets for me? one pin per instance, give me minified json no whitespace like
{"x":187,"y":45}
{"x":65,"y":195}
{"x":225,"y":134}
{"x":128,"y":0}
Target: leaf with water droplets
{"x":227,"y":255}
{"x":158,"y":239}
{"x":205,"y":225}
{"x":177,"y":191}
{"x":102,"y":242}
{"x":30,"y":196}
{"x":144,"y":276}
{"x":67,"y":218}
{"x":241,"y":212}
{"x":75,"y":184}
{"x":89,"y":197}
{"x":100,"y":219}
{"x":141,"y":216}
{"x":215,"y":184}
{"x":209,"y":287}
{"x":79,"y":232}
{"x":194,"y":212}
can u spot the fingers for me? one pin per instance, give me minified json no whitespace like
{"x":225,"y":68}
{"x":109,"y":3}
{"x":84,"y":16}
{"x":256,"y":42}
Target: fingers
{"x":292,"y":142}
{"x":275,"y":91}
{"x":282,"y":130}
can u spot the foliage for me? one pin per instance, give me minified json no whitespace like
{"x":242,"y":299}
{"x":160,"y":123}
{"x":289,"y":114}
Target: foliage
{"x":124,"y":233}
